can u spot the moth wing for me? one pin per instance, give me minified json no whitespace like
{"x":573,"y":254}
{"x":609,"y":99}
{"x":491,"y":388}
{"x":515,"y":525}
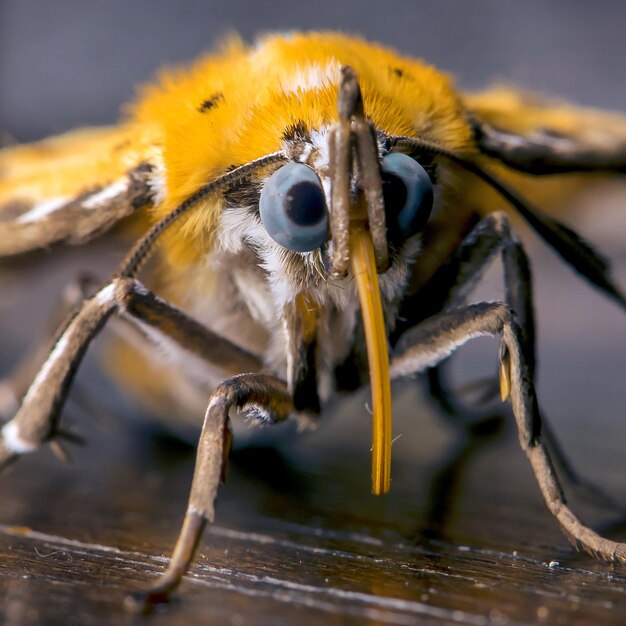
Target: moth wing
{"x":539,"y":135}
{"x":547,"y":150}
{"x":75,"y":186}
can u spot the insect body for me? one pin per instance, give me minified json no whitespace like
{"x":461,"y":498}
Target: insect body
{"x":318,"y":203}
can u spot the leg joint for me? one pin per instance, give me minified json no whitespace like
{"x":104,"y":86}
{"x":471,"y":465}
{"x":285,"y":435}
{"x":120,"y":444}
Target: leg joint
{"x":260,"y":397}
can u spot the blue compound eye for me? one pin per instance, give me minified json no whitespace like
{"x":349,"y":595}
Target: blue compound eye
{"x":293,"y":208}
{"x":408,"y":195}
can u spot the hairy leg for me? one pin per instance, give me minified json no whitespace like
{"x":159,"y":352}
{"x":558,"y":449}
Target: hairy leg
{"x":257,"y":396}
{"x":449,"y":287}
{"x":452,"y":283}
{"x":36,"y":420}
{"x":436,"y":338}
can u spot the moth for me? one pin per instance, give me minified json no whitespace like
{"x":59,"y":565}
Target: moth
{"x":315,"y":211}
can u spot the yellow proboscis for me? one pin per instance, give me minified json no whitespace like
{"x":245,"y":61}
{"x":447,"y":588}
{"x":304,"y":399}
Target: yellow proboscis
{"x":505,"y":376}
{"x":366,"y":277}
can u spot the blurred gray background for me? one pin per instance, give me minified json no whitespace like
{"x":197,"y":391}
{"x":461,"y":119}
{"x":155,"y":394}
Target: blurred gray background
{"x":71,"y":62}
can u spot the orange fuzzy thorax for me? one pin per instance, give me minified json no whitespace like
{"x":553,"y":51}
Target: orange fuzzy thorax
{"x":259,"y":91}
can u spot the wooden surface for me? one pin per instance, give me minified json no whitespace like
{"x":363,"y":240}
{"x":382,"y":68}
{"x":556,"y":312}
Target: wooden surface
{"x":463,"y":537}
